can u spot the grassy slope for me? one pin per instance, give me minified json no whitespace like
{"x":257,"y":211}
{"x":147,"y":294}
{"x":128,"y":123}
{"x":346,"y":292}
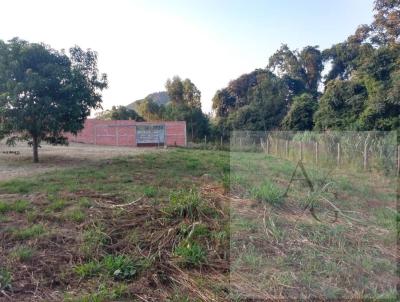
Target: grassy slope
{"x":279,"y":250}
{"x":63,"y":235}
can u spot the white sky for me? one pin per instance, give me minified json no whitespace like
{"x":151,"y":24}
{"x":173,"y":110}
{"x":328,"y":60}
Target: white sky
{"x":142,"y":43}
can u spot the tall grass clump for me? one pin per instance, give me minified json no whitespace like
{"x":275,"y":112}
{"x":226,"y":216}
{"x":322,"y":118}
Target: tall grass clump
{"x":268,"y":192}
{"x":185,"y":203}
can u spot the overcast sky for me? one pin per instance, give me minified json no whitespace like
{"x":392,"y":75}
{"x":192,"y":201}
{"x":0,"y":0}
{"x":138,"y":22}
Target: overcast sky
{"x":141,"y":43}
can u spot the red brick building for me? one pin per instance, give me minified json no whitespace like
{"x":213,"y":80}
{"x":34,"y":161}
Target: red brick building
{"x":131,"y":133}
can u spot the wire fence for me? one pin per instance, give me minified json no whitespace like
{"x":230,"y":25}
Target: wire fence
{"x":359,"y":150}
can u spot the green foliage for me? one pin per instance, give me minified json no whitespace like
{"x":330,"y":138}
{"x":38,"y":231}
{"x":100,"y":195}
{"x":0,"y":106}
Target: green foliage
{"x":30,"y":232}
{"x":361,"y":88}
{"x":76,"y":215}
{"x":5,"y":279}
{"x":300,"y":114}
{"x":93,"y":241}
{"x":119,"y":113}
{"x":57,"y":205}
{"x":104,"y":293}
{"x":191,"y":254}
{"x":89,"y":269}
{"x":150,"y":191}
{"x":44,"y":93}
{"x":268,"y":192}
{"x":185,"y":203}
{"x":19,"y":206}
{"x":23,"y":253}
{"x":120,"y":267}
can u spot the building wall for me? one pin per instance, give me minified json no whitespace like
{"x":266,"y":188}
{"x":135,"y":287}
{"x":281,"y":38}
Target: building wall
{"x":123,"y":132}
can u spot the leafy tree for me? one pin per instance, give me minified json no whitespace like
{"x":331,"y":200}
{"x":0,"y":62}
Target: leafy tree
{"x":186,"y":105}
{"x":386,"y":25}
{"x":196,"y":120}
{"x":300,"y":114}
{"x":175,"y":90}
{"x":341,"y":106}
{"x":120,"y":113}
{"x":150,"y":110}
{"x":255,"y":101}
{"x":302,"y":67}
{"x":45,"y":93}
{"x":191,"y":95}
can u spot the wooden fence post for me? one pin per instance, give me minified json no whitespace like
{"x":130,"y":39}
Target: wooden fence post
{"x":117,"y":135}
{"x":276,"y":147}
{"x":221,"y":140}
{"x":316,"y":153}
{"x":287,"y":148}
{"x":205,"y":139}
{"x":267,"y":145}
{"x":301,"y":150}
{"x":338,"y":155}
{"x":398,"y":160}
{"x":240,"y":142}
{"x":95,"y":135}
{"x":365,"y":163}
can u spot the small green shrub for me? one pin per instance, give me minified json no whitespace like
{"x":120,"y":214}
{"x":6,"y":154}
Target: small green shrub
{"x":57,"y":205}
{"x":184,"y":203}
{"x":268,"y":192}
{"x":85,"y":202}
{"x":104,"y":293}
{"x":4,"y":207}
{"x":191,"y":254}
{"x":120,"y":267}
{"x":93,"y":240}
{"x":19,"y":206}
{"x":76,"y":215}
{"x":30,"y":232}
{"x":192,"y":164}
{"x":5,"y":279}
{"x":89,"y":269}
{"x":23,"y":253}
{"x":150,"y":192}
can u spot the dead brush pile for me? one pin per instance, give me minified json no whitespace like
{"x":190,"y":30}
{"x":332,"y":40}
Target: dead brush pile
{"x":142,"y":250}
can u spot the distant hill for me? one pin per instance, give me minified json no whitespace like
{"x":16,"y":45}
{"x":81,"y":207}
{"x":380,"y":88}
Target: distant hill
{"x":161,"y":98}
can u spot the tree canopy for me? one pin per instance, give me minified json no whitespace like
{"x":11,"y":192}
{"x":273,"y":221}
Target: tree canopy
{"x":360,"y":89}
{"x":119,"y":113}
{"x":45,"y":93}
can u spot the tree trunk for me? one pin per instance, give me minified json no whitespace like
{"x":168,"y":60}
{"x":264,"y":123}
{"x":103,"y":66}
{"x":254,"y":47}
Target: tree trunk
{"x":35,"y":146}
{"x":191,"y":123}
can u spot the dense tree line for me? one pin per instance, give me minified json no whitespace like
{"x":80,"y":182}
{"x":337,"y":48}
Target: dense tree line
{"x":360,"y":91}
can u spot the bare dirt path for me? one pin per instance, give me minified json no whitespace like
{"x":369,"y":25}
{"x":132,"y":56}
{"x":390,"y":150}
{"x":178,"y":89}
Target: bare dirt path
{"x":56,"y":157}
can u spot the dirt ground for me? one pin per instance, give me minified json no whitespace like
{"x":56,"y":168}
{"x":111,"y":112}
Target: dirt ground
{"x":17,"y":161}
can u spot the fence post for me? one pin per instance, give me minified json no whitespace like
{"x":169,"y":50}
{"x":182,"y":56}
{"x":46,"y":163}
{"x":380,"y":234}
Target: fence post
{"x":117,"y":135}
{"x":365,"y":156}
{"x":221,"y":140}
{"x":398,"y":160}
{"x":95,"y":135}
{"x":205,"y":139}
{"x":301,"y":150}
{"x":338,"y":155}
{"x":276,"y":147}
{"x":287,"y":148}
{"x":267,"y":141}
{"x":240,"y":142}
{"x":316,"y":153}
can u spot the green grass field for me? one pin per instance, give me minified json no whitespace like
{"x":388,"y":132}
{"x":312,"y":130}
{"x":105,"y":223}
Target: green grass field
{"x":178,"y":225}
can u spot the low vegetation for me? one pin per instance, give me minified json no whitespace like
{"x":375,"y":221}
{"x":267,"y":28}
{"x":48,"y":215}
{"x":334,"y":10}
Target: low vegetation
{"x":196,"y":225}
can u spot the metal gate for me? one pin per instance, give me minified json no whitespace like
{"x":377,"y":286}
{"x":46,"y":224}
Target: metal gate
{"x":150,"y":135}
